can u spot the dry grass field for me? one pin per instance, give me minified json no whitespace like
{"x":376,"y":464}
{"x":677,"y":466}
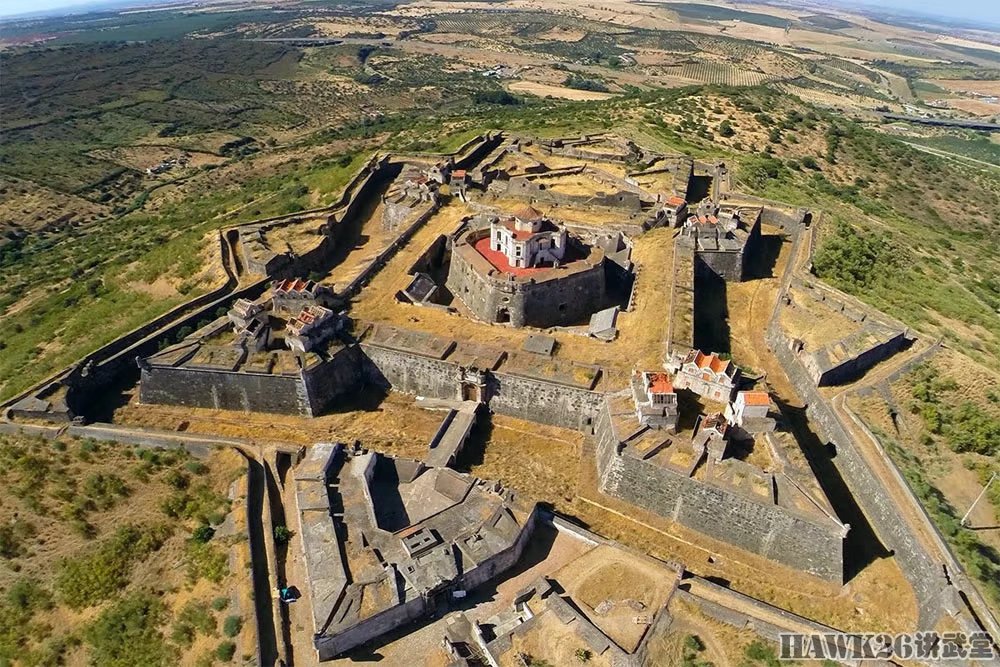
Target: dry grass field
{"x":548,"y":90}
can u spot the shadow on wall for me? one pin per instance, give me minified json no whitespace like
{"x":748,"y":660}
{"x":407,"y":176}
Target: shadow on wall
{"x":390,"y":511}
{"x":761,"y":264}
{"x":273,"y":496}
{"x":368,"y":398}
{"x":862,"y":546}
{"x":474,"y":451}
{"x":699,"y":187}
{"x":711,"y":311}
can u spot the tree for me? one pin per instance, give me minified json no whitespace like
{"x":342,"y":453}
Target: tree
{"x":726,"y":129}
{"x":203,"y":533}
{"x":282,"y":534}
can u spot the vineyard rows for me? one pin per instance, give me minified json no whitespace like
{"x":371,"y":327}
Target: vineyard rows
{"x":719,"y":73}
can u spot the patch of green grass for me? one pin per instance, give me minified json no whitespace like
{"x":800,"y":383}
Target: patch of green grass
{"x":18,"y":607}
{"x":205,"y":561}
{"x":192,"y":620}
{"x":101,"y":573}
{"x":127,"y":634}
{"x":980,"y":560}
{"x":971,"y":144}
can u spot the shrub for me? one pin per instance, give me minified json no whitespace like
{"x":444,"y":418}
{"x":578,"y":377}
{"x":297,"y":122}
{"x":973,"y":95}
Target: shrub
{"x":726,"y":129}
{"x":225,"y":651}
{"x":761,"y":652}
{"x":205,"y":561}
{"x":13,"y":536}
{"x":105,"y":490}
{"x":232,"y":625}
{"x":17,"y":608}
{"x":580,"y":82}
{"x":220,"y":603}
{"x":203,"y":533}
{"x":127,"y":634}
{"x":193,"y":619}
{"x":198,"y":502}
{"x":196,"y":467}
{"x":282,"y":534}
{"x":501,"y":97}
{"x":853,"y":260}
{"x":177,"y":479}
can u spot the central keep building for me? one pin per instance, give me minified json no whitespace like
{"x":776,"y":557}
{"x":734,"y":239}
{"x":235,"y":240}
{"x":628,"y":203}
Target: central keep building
{"x":525,"y":270}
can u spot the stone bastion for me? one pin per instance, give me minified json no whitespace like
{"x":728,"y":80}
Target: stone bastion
{"x":539,"y":297}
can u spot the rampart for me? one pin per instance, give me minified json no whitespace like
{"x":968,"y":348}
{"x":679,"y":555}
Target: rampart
{"x":925,"y":576}
{"x":769,"y":530}
{"x":622,"y":196}
{"x":308,"y":392}
{"x":506,"y":392}
{"x":850,"y":357}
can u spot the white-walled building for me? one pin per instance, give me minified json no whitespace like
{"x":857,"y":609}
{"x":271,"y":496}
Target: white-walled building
{"x":528,"y":239}
{"x":707,"y":375}
{"x":655,"y":400}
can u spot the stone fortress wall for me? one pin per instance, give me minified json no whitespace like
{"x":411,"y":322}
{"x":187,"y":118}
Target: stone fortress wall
{"x":763,"y":529}
{"x":769,"y":530}
{"x":923,"y":574}
{"x":317,"y":523}
{"x":264,"y":260}
{"x":67,"y":395}
{"x":310,"y":392}
{"x":934,"y":584}
{"x":505,"y":393}
{"x":849,"y":357}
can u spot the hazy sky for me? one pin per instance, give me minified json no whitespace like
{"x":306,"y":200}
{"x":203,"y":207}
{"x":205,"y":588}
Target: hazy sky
{"x":984,"y":10}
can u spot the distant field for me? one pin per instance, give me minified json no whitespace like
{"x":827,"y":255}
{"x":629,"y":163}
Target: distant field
{"x":976,"y":146}
{"x":718,"y":73}
{"x":967,"y":86}
{"x":545,"y":90}
{"x":825,"y":21}
{"x":716,"y":13}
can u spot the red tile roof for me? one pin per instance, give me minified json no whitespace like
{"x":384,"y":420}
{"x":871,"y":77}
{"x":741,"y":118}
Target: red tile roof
{"x":499,"y":260}
{"x":518,"y":234}
{"x":710,"y":361}
{"x":458,"y":173}
{"x":756,"y":397}
{"x":294,"y":285}
{"x":674,"y":200}
{"x":660,"y":383}
{"x":718,"y":365}
{"x":528,"y":213}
